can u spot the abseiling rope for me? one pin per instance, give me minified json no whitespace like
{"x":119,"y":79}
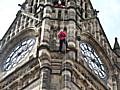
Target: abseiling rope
{"x":65,"y":66}
{"x":65,"y":51}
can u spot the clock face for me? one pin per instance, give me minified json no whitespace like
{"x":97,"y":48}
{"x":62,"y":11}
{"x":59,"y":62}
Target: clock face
{"x":20,"y":51}
{"x":92,"y":59}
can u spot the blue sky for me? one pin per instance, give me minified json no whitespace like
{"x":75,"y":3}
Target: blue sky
{"x":109,"y":16}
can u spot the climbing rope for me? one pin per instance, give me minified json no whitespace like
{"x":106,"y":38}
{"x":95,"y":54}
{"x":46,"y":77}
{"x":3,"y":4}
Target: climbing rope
{"x":65,"y":52}
{"x":65,"y":65}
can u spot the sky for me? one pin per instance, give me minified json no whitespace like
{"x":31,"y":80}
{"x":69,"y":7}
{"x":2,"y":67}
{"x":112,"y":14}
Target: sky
{"x":109,"y":15}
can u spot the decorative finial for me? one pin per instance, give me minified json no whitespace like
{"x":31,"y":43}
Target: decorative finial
{"x":95,"y":12}
{"x":116,"y":44}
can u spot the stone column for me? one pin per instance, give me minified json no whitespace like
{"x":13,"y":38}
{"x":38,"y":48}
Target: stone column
{"x":45,"y":31}
{"x":45,"y":79}
{"x":45,"y":34}
{"x":72,"y":25}
{"x":66,"y":71}
{"x":45,"y":69}
{"x":71,"y":34}
{"x":66,"y":77}
{"x":115,"y":79}
{"x":114,"y":85}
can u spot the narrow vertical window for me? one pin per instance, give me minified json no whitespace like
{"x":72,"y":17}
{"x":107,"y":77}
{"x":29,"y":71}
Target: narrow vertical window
{"x":59,"y":14}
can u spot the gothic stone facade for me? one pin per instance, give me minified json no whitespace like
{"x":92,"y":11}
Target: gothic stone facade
{"x":29,"y":57}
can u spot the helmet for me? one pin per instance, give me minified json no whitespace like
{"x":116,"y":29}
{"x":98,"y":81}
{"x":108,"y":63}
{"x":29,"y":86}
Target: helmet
{"x":61,"y":30}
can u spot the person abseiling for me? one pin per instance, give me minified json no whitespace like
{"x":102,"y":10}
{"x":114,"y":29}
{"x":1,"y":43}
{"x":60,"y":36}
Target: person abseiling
{"x":62,"y":39}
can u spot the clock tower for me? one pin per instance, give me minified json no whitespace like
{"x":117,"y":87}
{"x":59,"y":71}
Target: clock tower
{"x":29,"y":50}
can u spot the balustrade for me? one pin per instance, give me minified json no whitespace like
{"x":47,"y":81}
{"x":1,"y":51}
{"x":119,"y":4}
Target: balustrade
{"x":19,"y":24}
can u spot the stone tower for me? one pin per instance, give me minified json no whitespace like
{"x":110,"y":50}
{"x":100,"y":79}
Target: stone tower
{"x":29,"y":57}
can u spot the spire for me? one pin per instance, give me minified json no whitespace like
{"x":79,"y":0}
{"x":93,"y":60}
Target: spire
{"x":116,"y":47}
{"x":116,"y":44}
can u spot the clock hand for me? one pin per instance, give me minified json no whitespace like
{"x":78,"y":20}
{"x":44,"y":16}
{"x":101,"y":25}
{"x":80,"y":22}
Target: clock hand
{"x":96,"y":62}
{"x":19,"y":53}
{"x":93,"y":60}
{"x":23,"y":49}
{"x":102,"y":73}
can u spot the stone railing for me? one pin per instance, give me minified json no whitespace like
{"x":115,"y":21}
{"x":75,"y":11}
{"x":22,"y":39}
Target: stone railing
{"x":22,"y":21}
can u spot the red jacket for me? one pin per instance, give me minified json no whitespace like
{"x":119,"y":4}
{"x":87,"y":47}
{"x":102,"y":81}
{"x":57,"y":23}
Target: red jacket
{"x":62,"y":35}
